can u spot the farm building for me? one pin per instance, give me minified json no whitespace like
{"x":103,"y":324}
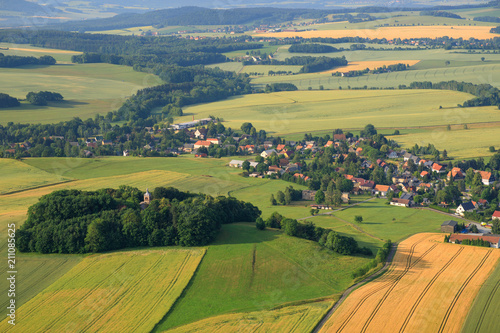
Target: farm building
{"x":449,"y":226}
{"x":494,"y":240}
{"x":308,"y":195}
{"x":465,"y":207}
{"x":401,"y":202}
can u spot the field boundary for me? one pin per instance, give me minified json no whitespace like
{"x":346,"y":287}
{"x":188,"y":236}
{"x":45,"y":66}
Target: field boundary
{"x":37,"y":187}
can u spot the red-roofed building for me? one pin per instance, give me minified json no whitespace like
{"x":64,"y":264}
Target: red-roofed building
{"x":214,"y":141}
{"x":381,"y":190}
{"x":359,"y":150}
{"x":496,"y":215}
{"x":339,"y":137}
{"x":349,"y":177}
{"x":423,"y":174}
{"x":328,"y":144}
{"x":456,"y":174}
{"x":486,"y":177}
{"x":202,"y":143}
{"x":494,"y":240}
{"x":280,"y":147}
{"x":438,"y":168}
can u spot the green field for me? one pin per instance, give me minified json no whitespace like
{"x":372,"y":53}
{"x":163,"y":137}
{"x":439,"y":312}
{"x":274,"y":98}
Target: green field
{"x":128,"y":290}
{"x":246,"y":270}
{"x":295,"y":318}
{"x":459,"y":142}
{"x":385,"y":221}
{"x":483,"y":315}
{"x":307,"y":111}
{"x":25,"y":50}
{"x":87,"y":89}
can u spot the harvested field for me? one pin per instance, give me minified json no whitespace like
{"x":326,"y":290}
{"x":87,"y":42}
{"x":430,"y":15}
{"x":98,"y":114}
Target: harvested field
{"x":126,"y":291}
{"x":360,"y":65}
{"x":429,"y":287}
{"x":465,"y":32}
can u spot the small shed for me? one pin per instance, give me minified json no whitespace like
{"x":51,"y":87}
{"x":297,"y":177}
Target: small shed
{"x":449,"y":226}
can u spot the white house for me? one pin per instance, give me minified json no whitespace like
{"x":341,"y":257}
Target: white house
{"x":267,"y":153}
{"x":465,"y":207}
{"x":236,"y":164}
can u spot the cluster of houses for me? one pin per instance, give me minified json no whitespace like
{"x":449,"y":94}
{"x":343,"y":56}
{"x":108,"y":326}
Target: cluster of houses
{"x":451,"y":227}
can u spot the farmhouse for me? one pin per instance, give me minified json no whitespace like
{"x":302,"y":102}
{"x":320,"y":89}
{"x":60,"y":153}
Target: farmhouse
{"x":494,"y":240}
{"x":267,"y":153}
{"x":449,"y":226}
{"x":465,"y":207}
{"x":236,"y":164}
{"x":496,"y":215}
{"x":400,"y":202}
{"x":308,"y":194}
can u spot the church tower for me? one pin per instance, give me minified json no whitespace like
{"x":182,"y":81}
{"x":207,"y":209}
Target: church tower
{"x":147,"y":197}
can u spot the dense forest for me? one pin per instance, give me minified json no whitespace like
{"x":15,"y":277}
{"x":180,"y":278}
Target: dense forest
{"x":74,"y":221}
{"x":7,"y":101}
{"x":16,"y":61}
{"x":494,"y":19}
{"x":311,"y":48}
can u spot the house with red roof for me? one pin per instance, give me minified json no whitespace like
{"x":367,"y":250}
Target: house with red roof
{"x":486,"y":177}
{"x":381,"y":190}
{"x":423,"y":174}
{"x":280,"y":147}
{"x":202,"y":143}
{"x":438,"y":168}
{"x":494,"y":240}
{"x":328,"y":144}
{"x":339,"y":137}
{"x":456,"y":174}
{"x":496,"y":215}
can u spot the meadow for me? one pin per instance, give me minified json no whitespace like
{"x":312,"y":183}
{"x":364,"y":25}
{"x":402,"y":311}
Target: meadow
{"x":483,"y":314}
{"x":25,"y":50}
{"x":296,"y":318}
{"x":247,"y":270}
{"x":87,"y":89}
{"x":306,"y":111}
{"x":429,"y":287}
{"x":459,"y":143}
{"x":129,"y":290}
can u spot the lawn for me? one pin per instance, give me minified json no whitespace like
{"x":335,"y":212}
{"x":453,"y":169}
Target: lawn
{"x":87,"y":89}
{"x":248,"y":270}
{"x":114,"y":292}
{"x":390,"y":222}
{"x":305,"y":111}
{"x":483,"y":315}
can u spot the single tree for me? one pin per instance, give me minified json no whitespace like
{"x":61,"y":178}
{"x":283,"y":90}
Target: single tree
{"x":358,"y":219}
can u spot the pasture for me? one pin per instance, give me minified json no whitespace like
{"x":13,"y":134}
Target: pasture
{"x":483,"y":315}
{"x":386,"y":221}
{"x":305,"y":111}
{"x":128,"y":290}
{"x":465,"y":32}
{"x":459,"y":143}
{"x":246,"y":270}
{"x":295,"y":318}
{"x":25,"y":50}
{"x":87,"y":89}
{"x":429,"y":287}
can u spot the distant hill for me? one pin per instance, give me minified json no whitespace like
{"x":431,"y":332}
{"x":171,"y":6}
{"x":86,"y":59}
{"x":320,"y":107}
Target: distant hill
{"x":24,"y":7}
{"x":196,"y":16}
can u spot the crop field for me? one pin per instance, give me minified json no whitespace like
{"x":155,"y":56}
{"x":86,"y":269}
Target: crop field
{"x":15,"y":176}
{"x":248,"y":270}
{"x":465,"y":32}
{"x":87,"y":89}
{"x":264,"y":69}
{"x":429,"y":287}
{"x":477,"y":74}
{"x":130,"y":290}
{"x":33,"y":51}
{"x":305,"y":111}
{"x":297,"y":318}
{"x":389,"y":222}
{"x":35,"y":273}
{"x":478,"y":138}
{"x":483,"y":315}
{"x":361,"y":65}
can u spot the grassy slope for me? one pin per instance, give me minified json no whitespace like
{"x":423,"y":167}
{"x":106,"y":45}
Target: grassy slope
{"x":296,"y":318}
{"x":247,"y":270}
{"x":87,"y":89}
{"x":459,"y":143}
{"x":291,"y":112}
{"x":483,"y":315}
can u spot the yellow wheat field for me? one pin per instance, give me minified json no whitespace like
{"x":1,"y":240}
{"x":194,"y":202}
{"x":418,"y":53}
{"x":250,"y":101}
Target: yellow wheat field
{"x":361,"y":65}
{"x":298,"y":318}
{"x":465,"y":32}
{"x":429,"y":288}
{"x":127,"y":291}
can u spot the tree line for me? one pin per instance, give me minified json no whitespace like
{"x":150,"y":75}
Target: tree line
{"x":7,"y":101}
{"x":43,"y":97}
{"x":74,"y":221}
{"x":16,"y":61}
{"x":311,"y":48}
